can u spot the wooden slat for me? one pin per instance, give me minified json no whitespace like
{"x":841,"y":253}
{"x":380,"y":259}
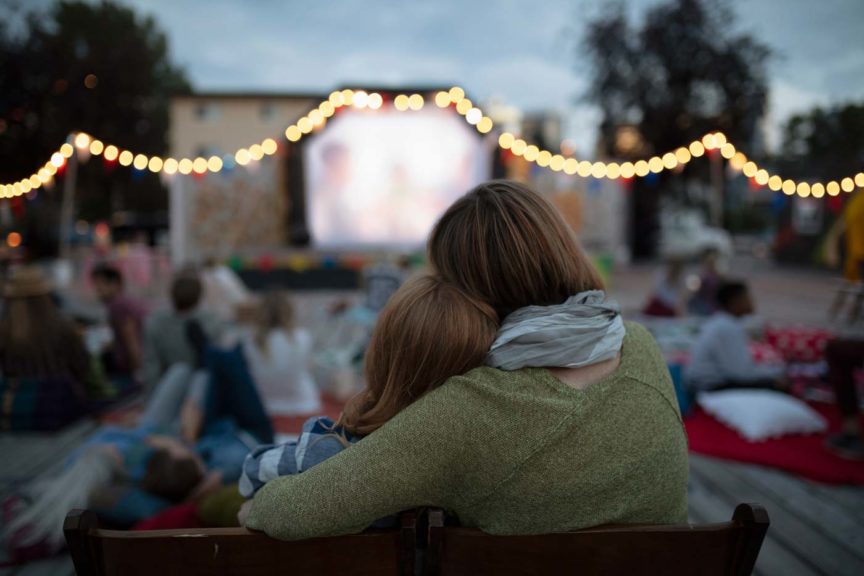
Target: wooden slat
{"x":799,"y":537}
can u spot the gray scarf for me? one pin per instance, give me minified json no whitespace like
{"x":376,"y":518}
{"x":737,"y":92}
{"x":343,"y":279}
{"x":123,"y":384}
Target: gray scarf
{"x":585,"y":329}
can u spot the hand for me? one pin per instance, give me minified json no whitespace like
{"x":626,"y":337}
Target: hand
{"x":244,"y":512}
{"x":191,"y":419}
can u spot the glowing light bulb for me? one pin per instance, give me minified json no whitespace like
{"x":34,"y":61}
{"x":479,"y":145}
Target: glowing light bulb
{"x":727,"y":150}
{"x":111,"y":152}
{"x":293,"y":133}
{"x":641,"y":168}
{"x":709,"y":142}
{"x":571,"y":165}
{"x":256,"y":152}
{"x":519,"y":147}
{"x":170,"y":166}
{"x":761,"y":177}
{"x":44,"y":176}
{"x":463,"y":106}
{"x":415,"y":102}
{"x":613,"y":170}
{"x":336,"y":99}
{"x":598,"y":170}
{"x":484,"y":125}
{"x":155,"y":164}
{"x":13,"y":240}
{"x":126,"y":158}
{"x":817,"y":190}
{"x":35,"y":182}
{"x":347,"y":97}
{"x":847,"y":185}
{"x":505,"y":140}
{"x":185,"y":166}
{"x":25,"y":186}
{"x":473,"y":116}
{"x":833,"y":188}
{"x":669,"y":160}
{"x":82,"y":140}
{"x":140,"y":162}
{"x":401,"y":102}
{"x":305,"y":125}
{"x":557,"y":162}
{"x":67,"y":150}
{"x":456,"y":94}
{"x":737,"y":161}
{"x":269,"y":146}
{"x":96,"y":147}
{"x":57,"y":160}
{"x":788,"y":187}
{"x":627,"y":170}
{"x":242,"y":156}
{"x":697,"y":149}
{"x":544,"y":158}
{"x":375,"y":101}
{"x":859,"y":179}
{"x":655,"y":165}
{"x":531,"y":152}
{"x":52,"y":170}
{"x":214,"y":164}
{"x":327,"y":109}
{"x":317,"y":118}
{"x":803,"y":189}
{"x":442,"y":99}
{"x":584,"y":168}
{"x":199,"y":165}
{"x":361,"y":99}
{"x":750,"y":169}
{"x":719,"y":139}
{"x":683,"y":155}
{"x":775,"y":183}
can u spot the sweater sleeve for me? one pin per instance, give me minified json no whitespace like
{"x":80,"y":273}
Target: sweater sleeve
{"x":409,"y":462}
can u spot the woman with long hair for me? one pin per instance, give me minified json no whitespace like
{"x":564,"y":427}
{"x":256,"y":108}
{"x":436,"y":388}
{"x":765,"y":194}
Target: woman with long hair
{"x":427,"y":332}
{"x":572,"y":423}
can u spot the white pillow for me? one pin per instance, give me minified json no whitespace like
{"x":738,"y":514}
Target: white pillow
{"x":760,"y":414}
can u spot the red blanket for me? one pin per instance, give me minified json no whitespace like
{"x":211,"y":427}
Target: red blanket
{"x":799,"y":454}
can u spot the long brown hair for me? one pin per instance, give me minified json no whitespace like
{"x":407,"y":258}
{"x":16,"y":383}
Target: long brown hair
{"x":275,"y":312}
{"x":429,"y":331}
{"x":36,"y":341}
{"x":506,"y":245}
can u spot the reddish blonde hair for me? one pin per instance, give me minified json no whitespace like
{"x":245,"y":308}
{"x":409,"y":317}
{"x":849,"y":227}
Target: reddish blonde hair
{"x":429,"y":331}
{"x":506,"y":245}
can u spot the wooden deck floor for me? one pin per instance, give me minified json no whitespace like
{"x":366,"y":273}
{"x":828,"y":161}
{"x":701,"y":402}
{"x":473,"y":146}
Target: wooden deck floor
{"x":815,"y":529}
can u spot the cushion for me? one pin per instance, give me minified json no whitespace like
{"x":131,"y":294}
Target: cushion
{"x":761,"y":414}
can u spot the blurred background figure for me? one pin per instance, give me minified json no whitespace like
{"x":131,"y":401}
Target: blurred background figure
{"x":224,"y":291}
{"x":669,"y":295}
{"x":125,"y":316}
{"x":703,"y":302}
{"x":165,"y":334}
{"x":279,"y":355}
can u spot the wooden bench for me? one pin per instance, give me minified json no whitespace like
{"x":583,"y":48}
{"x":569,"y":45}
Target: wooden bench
{"x":729,"y":548}
{"x":235,"y":551}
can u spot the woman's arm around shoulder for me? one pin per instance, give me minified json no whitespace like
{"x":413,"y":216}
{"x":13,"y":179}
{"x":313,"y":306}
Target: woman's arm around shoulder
{"x":411,"y":461}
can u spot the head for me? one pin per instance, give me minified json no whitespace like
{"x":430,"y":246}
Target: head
{"x":275,"y":312}
{"x":172,"y":472}
{"x":504,"y":244}
{"x":107,"y":282}
{"x":429,"y":331}
{"x":186,"y":291}
{"x":734,"y":298}
{"x":33,"y":334}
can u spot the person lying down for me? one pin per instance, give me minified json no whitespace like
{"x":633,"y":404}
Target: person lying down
{"x":428,"y":332}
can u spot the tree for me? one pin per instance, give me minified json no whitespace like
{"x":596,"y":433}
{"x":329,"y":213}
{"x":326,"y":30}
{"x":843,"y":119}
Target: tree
{"x":99,"y":68}
{"x":682,"y":73}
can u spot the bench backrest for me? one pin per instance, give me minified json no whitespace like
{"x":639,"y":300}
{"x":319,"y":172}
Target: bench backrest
{"x":235,"y":551}
{"x":729,"y":548}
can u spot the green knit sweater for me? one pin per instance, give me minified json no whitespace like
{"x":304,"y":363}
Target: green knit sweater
{"x":507,"y":452}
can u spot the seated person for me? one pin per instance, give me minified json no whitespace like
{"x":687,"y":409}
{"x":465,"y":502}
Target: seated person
{"x":165,"y":341}
{"x":721,"y":357}
{"x":669,"y":295}
{"x":279,"y":355}
{"x":703,"y":302}
{"x":126,"y":318}
{"x":844,"y":356}
{"x":405,"y":360}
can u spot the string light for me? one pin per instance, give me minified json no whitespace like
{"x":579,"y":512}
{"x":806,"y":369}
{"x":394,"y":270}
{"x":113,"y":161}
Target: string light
{"x":318,"y":116}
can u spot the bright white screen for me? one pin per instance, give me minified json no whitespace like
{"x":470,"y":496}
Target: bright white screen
{"x":382,"y":178}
